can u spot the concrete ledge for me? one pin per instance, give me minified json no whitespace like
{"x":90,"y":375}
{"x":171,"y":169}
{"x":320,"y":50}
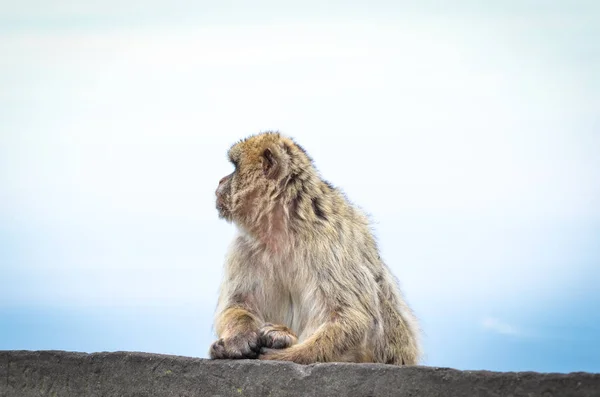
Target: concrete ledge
{"x":56,"y":373}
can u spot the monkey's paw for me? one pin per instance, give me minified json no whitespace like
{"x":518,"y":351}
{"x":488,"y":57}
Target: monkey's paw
{"x":276,"y":336}
{"x":245,"y":345}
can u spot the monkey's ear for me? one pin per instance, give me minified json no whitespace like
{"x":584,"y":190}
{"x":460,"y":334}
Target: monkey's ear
{"x":270,"y":164}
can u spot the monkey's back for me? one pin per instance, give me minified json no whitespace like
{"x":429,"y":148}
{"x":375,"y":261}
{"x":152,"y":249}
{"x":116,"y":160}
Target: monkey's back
{"x":394,"y":337}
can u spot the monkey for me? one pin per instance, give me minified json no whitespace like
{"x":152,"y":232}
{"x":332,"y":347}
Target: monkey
{"x":303,"y":278}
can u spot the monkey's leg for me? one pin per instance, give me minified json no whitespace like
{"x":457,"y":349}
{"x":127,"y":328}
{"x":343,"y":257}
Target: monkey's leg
{"x":238,"y":331}
{"x":276,"y":336}
{"x":331,"y":342}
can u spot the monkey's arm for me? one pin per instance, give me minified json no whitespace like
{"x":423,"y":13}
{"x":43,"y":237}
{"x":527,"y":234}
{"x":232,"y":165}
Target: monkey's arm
{"x":238,"y":331}
{"x":237,"y":318}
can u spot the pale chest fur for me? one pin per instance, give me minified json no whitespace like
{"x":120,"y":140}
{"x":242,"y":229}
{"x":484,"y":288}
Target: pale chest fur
{"x":283,"y":289}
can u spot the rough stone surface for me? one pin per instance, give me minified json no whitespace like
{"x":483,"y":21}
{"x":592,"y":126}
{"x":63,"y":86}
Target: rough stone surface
{"x":56,"y":373}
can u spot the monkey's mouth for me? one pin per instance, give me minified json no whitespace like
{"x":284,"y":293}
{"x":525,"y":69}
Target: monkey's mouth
{"x":223,"y":209}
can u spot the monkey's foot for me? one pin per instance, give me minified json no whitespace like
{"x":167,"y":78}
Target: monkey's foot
{"x":245,"y":345}
{"x":276,"y":336}
{"x":285,"y":355}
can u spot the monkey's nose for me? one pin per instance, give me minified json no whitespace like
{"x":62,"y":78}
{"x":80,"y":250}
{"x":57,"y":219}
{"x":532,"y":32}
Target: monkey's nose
{"x":222,"y":180}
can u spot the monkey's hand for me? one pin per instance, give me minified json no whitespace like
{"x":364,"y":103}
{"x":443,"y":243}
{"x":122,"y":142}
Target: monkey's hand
{"x":276,"y":336}
{"x":246,"y":345}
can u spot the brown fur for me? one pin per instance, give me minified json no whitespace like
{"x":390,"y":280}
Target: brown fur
{"x":306,"y":260}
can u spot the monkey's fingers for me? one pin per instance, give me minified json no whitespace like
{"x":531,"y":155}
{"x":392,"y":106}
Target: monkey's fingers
{"x":276,"y":336}
{"x":236,"y":347}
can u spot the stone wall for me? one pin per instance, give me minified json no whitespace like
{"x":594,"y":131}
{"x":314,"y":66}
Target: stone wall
{"x":64,"y":374}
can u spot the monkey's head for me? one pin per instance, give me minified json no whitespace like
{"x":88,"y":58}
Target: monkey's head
{"x":254,"y":192}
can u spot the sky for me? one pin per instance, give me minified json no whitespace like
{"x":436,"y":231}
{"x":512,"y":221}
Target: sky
{"x":469,"y":132}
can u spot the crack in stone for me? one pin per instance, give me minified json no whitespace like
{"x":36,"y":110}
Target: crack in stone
{"x":155,"y":367}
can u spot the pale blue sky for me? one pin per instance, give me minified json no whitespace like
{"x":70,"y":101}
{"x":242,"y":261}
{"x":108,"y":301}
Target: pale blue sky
{"x":470,"y":133}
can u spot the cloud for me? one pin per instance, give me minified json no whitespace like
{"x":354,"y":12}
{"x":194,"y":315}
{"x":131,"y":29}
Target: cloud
{"x":498,"y":326}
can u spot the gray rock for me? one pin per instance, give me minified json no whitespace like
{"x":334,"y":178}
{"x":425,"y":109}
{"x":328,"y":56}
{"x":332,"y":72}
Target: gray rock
{"x":64,"y":374}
